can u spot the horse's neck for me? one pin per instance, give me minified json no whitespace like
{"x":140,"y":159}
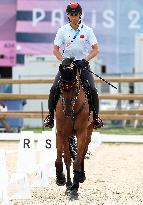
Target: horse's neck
{"x":81,"y":98}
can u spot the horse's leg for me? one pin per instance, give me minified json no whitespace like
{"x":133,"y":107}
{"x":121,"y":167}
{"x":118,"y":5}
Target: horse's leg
{"x":82,"y":172}
{"x":67,"y":160}
{"x":69,"y":182}
{"x":60,"y":177}
{"x":83,"y":177}
{"x":89,"y":133}
{"x":81,"y":146}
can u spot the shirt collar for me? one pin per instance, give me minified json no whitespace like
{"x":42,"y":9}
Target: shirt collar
{"x":80,"y":25}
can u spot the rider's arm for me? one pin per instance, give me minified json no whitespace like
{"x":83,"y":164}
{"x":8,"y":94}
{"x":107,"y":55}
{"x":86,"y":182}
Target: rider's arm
{"x":94,"y":45}
{"x":57,"y":53}
{"x":58,"y":42}
{"x":93,"y":53}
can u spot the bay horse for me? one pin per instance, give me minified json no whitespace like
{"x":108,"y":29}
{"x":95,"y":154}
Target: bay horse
{"x":73,"y":118}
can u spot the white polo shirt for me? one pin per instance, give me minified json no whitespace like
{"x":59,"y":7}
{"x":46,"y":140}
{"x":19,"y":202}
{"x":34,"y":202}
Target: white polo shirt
{"x":81,"y":45}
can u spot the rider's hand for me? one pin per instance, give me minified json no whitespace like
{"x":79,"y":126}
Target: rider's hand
{"x":83,"y":63}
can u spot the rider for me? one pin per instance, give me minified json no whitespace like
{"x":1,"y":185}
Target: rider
{"x":79,"y":42}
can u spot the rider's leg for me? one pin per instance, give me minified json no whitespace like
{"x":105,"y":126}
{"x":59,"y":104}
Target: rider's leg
{"x":87,"y":81}
{"x":52,"y":102}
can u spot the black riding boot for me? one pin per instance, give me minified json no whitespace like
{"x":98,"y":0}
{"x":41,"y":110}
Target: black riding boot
{"x":87,"y":81}
{"x":52,"y":102}
{"x":53,"y":99}
{"x":93,"y":100}
{"x":94,"y":105}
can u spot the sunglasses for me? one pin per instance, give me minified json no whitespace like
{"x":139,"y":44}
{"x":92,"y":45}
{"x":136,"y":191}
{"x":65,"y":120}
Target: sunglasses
{"x":76,"y":14}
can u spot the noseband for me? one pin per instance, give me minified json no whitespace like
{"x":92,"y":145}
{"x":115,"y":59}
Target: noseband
{"x":70,"y":89}
{"x":67,"y":86}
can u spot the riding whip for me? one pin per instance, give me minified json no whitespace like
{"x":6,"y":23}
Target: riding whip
{"x":101,"y":78}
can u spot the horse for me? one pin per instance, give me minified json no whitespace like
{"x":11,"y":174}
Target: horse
{"x":73,"y":118}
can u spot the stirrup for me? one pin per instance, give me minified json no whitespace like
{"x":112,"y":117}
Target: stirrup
{"x":49,"y":121}
{"x":97,"y":123}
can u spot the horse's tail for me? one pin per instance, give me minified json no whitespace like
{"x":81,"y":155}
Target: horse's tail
{"x":73,"y":146}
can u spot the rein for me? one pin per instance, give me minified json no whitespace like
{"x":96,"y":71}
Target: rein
{"x":73,"y":100}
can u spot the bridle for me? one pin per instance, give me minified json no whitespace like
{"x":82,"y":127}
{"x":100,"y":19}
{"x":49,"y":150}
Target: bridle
{"x":66,"y":87}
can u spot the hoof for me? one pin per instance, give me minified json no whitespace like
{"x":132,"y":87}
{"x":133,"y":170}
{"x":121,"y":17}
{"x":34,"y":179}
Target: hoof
{"x":60,"y":182}
{"x":79,"y":177}
{"x":82,"y":179}
{"x":74,"y":194}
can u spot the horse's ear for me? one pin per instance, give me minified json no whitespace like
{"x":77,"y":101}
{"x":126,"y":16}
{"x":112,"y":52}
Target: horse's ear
{"x":60,"y":67}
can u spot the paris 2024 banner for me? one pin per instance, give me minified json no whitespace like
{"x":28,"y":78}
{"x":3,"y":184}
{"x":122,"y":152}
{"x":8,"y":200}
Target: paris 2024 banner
{"x":115,"y":24}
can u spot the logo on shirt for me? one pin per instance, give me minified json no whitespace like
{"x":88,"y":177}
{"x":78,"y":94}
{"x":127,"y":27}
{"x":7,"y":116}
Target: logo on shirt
{"x":81,"y":36}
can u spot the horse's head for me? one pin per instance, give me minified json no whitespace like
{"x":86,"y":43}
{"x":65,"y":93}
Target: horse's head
{"x":68,"y":85}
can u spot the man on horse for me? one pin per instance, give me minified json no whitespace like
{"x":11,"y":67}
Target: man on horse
{"x":79,"y":43}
